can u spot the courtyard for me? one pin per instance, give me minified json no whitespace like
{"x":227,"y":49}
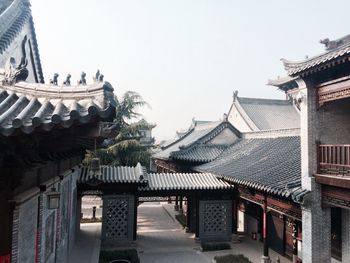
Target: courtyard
{"x":161,"y":238}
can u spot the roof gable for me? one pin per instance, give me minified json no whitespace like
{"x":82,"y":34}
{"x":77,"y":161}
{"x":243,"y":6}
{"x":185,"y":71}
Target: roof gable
{"x":201,"y":133}
{"x":252,"y":114}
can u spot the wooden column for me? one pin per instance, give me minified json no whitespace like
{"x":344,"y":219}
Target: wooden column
{"x":295,"y":241}
{"x":197,"y":215}
{"x":234,"y":216}
{"x":176,"y":207}
{"x":78,"y":213}
{"x":136,"y":202}
{"x":265,"y":258}
{"x":188,"y":214}
{"x":180,"y":204}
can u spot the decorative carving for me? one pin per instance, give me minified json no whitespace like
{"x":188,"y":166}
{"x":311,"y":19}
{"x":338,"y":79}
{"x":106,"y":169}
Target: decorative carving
{"x":325,"y":95}
{"x":336,"y":202}
{"x":82,"y":80}
{"x":67,"y":81}
{"x":54,"y":80}
{"x":15,"y":73}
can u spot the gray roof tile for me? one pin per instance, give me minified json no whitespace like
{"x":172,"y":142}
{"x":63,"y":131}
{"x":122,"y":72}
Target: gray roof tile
{"x":199,"y":153}
{"x":27,"y":106}
{"x":153,"y":181}
{"x":339,"y":51}
{"x":113,"y":174}
{"x":268,"y":114}
{"x":267,"y":164}
{"x":184,"y":181}
{"x":198,"y":132}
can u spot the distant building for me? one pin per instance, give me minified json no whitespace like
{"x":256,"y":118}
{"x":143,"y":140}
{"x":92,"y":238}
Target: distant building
{"x":146,"y":133}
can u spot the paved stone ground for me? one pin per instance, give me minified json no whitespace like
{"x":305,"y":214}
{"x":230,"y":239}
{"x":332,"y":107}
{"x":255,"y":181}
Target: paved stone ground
{"x":161,"y":239}
{"x":87,"y":245}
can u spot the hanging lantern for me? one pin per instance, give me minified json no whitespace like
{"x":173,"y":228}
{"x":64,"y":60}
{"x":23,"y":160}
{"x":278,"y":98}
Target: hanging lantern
{"x":53,"y":199}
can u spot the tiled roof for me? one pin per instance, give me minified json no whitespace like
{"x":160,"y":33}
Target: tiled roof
{"x":266,"y":164}
{"x":199,"y":153}
{"x":153,"y":181}
{"x":338,"y":53}
{"x":12,"y":20}
{"x":283,"y":83}
{"x":113,"y":174}
{"x":268,"y":114}
{"x":25,"y":106}
{"x":184,"y":181}
{"x":199,"y":131}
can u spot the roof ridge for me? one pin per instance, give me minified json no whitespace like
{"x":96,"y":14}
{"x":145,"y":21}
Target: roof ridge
{"x":287,"y":132}
{"x":266,"y":100}
{"x":287,"y":62}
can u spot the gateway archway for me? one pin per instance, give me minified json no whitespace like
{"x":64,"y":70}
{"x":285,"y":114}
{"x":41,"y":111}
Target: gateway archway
{"x":209,"y":201}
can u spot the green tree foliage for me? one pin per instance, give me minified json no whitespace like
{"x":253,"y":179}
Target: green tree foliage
{"x":126,"y":149}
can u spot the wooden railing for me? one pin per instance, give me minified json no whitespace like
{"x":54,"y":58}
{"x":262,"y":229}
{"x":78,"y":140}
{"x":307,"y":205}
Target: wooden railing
{"x":334,"y":159}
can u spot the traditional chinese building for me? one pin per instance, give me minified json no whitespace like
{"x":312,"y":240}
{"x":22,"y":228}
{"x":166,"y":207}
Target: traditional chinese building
{"x":262,"y":163}
{"x":203,"y":142}
{"x":322,"y":94}
{"x":44,"y":131}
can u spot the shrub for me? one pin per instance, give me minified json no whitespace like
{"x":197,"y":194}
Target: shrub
{"x":215,"y":246}
{"x":129,"y":254}
{"x":232,"y":259}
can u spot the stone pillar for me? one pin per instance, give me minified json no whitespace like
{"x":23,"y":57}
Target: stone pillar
{"x":316,"y":222}
{"x":345,"y":235}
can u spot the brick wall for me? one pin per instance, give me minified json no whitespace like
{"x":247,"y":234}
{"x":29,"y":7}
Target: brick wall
{"x":57,"y":227}
{"x":316,"y":221}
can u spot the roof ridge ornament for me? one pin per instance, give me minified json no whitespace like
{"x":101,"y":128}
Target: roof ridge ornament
{"x":235,"y":95}
{"x":333,"y":44}
{"x":82,"y":80}
{"x":15,"y":73}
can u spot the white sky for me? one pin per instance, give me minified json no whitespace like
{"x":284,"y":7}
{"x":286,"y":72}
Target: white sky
{"x":185,"y":57}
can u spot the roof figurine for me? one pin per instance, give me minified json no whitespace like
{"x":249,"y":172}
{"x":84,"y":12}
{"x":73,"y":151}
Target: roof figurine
{"x":82,"y":80}
{"x":97,"y":75}
{"x":28,"y":106}
{"x":67,"y":81}
{"x":332,"y":44}
{"x":54,"y":80}
{"x":100,"y":78}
